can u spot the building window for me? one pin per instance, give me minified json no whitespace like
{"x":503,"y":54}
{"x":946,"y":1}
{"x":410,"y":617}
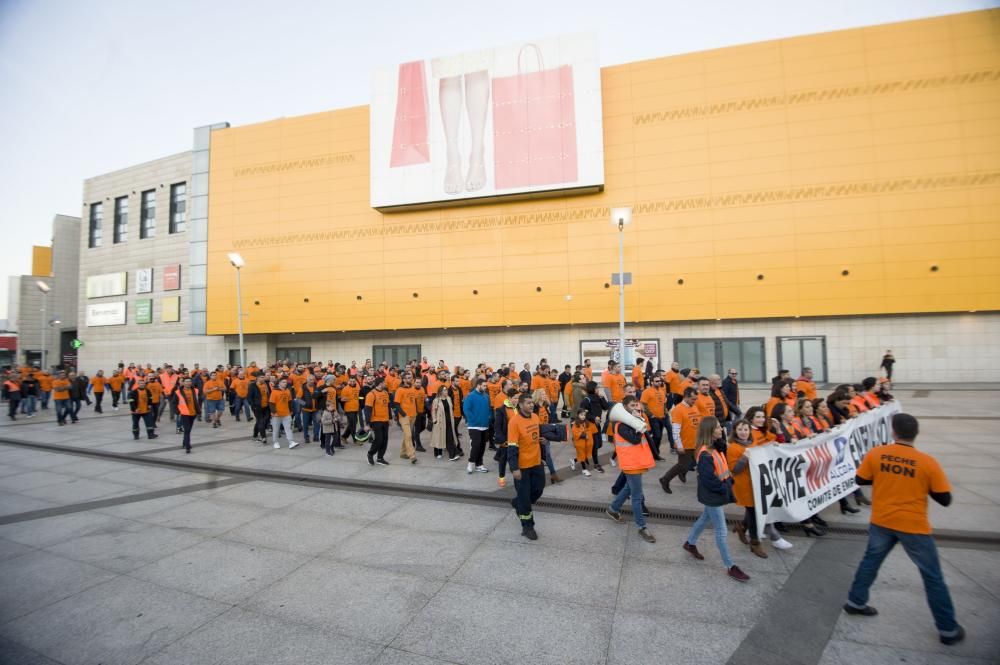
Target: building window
{"x":178,"y":207}
{"x":295,"y":354}
{"x":121,"y":220}
{"x":147,"y":215}
{"x":718,"y":356}
{"x":96,"y":216}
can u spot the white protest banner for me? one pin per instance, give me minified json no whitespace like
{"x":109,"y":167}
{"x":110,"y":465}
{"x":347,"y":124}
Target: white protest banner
{"x":791,"y":482}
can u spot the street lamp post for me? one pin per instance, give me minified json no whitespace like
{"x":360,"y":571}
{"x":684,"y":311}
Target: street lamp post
{"x":237,"y":261}
{"x":620,"y":217}
{"x":44,"y":288}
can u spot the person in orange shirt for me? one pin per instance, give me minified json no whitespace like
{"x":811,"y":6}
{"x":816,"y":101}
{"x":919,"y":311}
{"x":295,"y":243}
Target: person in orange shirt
{"x":760,"y":426}
{"x":747,"y":530}
{"x":44,"y":388}
{"x":704,"y":403}
{"x":654,"y":401}
{"x":349,"y":402}
{"x":587,"y":370}
{"x":639,"y":377}
{"x":116,"y":382}
{"x":240,"y":386}
{"x":684,"y":418}
{"x":613,"y":382}
{"x":867,"y":392}
{"x":156,"y":390}
{"x":675,"y":384}
{"x":805,"y":386}
{"x":258,"y":396}
{"x":308,"y":397}
{"x":524,"y":455}
{"x":781,"y":393}
{"x":97,"y":385}
{"x":280,"y":402}
{"x":405,"y":404}
{"x":214,"y":390}
{"x":377,"y":415}
{"x":140,"y":402}
{"x":60,"y":395}
{"x":902,"y":478}
{"x":552,"y":387}
{"x":583,"y":441}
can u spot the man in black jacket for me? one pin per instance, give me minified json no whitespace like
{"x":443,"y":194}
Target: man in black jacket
{"x":140,"y":404}
{"x":731,"y":386}
{"x":77,"y":393}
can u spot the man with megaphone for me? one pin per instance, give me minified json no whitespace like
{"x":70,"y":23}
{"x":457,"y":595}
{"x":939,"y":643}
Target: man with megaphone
{"x":634,"y":458}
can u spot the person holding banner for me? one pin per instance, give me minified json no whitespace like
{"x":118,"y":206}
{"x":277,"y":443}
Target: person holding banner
{"x":739,"y":441}
{"x":902,"y":478}
{"x":715,"y":490}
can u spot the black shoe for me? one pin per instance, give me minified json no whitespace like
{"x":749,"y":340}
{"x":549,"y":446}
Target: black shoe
{"x":371,"y":461}
{"x":134,"y":436}
{"x":529,"y":533}
{"x":188,"y":450}
{"x":780,"y":526}
{"x":683,"y":477}
{"x":340,"y":446}
{"x":820,"y":521}
{"x":866,"y":611}
{"x":329,"y":451}
{"x":153,"y":436}
{"x":665,"y":484}
{"x":421,"y":449}
{"x":812,"y":531}
{"x":381,"y":462}
{"x":957,"y":637}
{"x":848,"y":508}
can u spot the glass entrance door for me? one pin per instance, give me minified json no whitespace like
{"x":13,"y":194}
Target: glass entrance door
{"x":794,"y":353}
{"x":395,"y":355}
{"x":716,"y":356}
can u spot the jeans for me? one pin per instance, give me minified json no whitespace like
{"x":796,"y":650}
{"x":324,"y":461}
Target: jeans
{"x":548,"y":458}
{"x":98,"y":399}
{"x":922,"y":551}
{"x":276,"y":424}
{"x":553,"y":412}
{"x":297,"y":412}
{"x":74,"y":407}
{"x":243,"y":405}
{"x":632,"y":488}
{"x":28,"y":404}
{"x":310,"y":423}
{"x":44,"y":397}
{"x":62,"y":409}
{"x":718,"y":518}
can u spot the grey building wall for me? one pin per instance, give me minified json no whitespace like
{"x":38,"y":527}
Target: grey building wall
{"x":158,"y":341}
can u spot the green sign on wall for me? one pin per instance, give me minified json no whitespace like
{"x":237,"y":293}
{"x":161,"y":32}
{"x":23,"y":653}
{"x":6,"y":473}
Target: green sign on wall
{"x":143,"y":311}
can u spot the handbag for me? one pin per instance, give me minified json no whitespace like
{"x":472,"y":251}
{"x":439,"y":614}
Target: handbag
{"x":534,"y":126}
{"x":409,"y":133}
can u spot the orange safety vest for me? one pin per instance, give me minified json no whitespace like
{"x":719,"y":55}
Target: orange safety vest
{"x":719,"y":460}
{"x":182,"y":405}
{"x":632,"y":456}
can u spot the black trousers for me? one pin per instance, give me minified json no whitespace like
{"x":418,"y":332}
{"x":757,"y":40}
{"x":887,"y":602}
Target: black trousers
{"x":380,"y":440}
{"x":149,"y":418}
{"x":656,"y":434}
{"x":187,"y":423}
{"x":598,"y":442}
{"x":529,"y":490}
{"x":115,"y":396}
{"x":478,"y":438}
{"x":684,"y":460}
{"x":260,"y":419}
{"x":352,"y":424}
{"x":750,"y":521}
{"x":98,"y":398}
{"x":12,"y":407}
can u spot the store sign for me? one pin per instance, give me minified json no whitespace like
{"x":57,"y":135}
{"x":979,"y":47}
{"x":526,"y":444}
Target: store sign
{"x":171,"y":309}
{"x":171,"y":277}
{"x":144,"y":311}
{"x":106,"y":314}
{"x":144,"y":280}
{"x":600,"y":351}
{"x":110,"y":284}
{"x":511,"y":120}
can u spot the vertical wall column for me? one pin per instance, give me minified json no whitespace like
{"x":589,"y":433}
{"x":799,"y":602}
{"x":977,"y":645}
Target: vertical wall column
{"x":198,"y":228}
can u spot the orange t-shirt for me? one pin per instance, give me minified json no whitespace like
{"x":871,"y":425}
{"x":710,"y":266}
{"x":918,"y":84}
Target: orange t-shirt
{"x":807,"y":388}
{"x":675,"y":382}
{"x":615,"y":383}
{"x":759,"y":438}
{"x":116,"y":382}
{"x":742,"y":487}
{"x":902,"y":477}
{"x":655,"y":399}
{"x":493,"y":389}
{"x":281,"y":399}
{"x":407,"y":399}
{"x":588,"y":372}
{"x":688,"y":417}
{"x":705,"y":405}
{"x":142,"y":402}
{"x":214,"y":389}
{"x":392,"y":382}
{"x":523,"y":433}
{"x":771,"y":403}
{"x":638,"y":378}
{"x":156,"y":390}
{"x":584,"y":432}
{"x":497,"y":400}
{"x":296,"y":380}
{"x":60,"y":389}
{"x":349,"y":398}
{"x":240,"y":386}
{"x":552,"y":389}
{"x":98,"y":383}
{"x":378,"y":400}
{"x":539,"y":382}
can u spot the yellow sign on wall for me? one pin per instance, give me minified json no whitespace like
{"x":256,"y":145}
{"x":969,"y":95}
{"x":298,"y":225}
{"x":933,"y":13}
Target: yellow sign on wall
{"x":854,"y":172}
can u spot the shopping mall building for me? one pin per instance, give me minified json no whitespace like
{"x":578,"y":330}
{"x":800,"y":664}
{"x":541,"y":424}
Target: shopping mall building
{"x":807,"y":201}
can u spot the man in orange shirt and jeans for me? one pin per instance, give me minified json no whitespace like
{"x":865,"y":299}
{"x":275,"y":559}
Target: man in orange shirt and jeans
{"x":684,"y":418}
{"x":902,"y":478}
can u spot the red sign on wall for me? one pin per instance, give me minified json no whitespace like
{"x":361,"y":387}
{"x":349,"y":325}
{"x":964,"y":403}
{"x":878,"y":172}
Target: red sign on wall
{"x":171,"y":277}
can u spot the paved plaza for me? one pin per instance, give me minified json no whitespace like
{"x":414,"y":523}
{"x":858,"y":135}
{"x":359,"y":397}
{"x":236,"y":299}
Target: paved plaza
{"x":117,"y":551}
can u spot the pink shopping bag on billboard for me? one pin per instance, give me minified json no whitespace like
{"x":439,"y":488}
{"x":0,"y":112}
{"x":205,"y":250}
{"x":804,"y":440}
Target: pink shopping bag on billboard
{"x":409,"y":134}
{"x":534,"y":126}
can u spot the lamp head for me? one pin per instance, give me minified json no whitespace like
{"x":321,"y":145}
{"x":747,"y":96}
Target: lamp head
{"x":236,"y":260}
{"x":42,"y":286}
{"x":621,"y":216}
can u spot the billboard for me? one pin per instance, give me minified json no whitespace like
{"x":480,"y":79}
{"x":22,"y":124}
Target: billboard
{"x":144,"y":280}
{"x":511,"y":120}
{"x":171,"y":309}
{"x":109,"y":284}
{"x":171,"y":277}
{"x":600,"y":351}
{"x":106,"y":314}
{"x":144,"y":311}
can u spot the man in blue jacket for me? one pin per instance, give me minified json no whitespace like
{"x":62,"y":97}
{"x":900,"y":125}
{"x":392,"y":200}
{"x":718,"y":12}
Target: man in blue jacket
{"x":476,"y":409}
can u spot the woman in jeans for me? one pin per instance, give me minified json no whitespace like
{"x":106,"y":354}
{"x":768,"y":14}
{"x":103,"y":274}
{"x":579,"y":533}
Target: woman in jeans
{"x":715,"y":489}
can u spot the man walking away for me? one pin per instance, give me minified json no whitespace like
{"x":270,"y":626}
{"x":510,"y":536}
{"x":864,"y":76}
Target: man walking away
{"x":902,"y":478}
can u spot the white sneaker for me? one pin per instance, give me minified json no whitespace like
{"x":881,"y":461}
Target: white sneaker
{"x":614,"y":462}
{"x":277,"y":445}
{"x":572,"y":464}
{"x":482,"y":469}
{"x":782,"y":544}
{"x":115,"y":408}
{"x":292,"y":444}
{"x":470,"y":467}
{"x":586,"y":473}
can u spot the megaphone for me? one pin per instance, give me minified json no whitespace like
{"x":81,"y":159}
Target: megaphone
{"x":619,"y":414}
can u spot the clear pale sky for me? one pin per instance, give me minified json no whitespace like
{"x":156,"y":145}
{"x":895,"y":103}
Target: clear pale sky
{"x":92,"y":87}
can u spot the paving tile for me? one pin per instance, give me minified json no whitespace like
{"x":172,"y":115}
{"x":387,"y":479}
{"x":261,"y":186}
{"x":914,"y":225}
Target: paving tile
{"x":9,"y":549}
{"x":14,"y":653}
{"x":141,"y":475}
{"x":358,"y":506}
{"x":37,"y":579}
{"x":207,"y":518}
{"x":468,"y":625}
{"x":124,"y":545}
{"x":121,"y":621}
{"x":260,"y":493}
{"x":392,"y":656}
{"x":427,"y":554}
{"x":642,"y":638}
{"x":981,"y":566}
{"x":221,"y":570}
{"x":13,"y":504}
{"x":840,"y":652}
{"x":362,"y":602}
{"x":32,"y":479}
{"x":473,"y":520}
{"x":239,"y":637}
{"x":51,"y":530}
{"x":574,"y":576}
{"x":294,"y":531}
{"x":138,"y":509}
{"x":570,"y":532}
{"x":88,"y":468}
{"x":79,"y":490}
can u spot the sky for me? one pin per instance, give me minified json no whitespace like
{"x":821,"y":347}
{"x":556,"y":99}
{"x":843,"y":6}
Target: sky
{"x":92,"y":87}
